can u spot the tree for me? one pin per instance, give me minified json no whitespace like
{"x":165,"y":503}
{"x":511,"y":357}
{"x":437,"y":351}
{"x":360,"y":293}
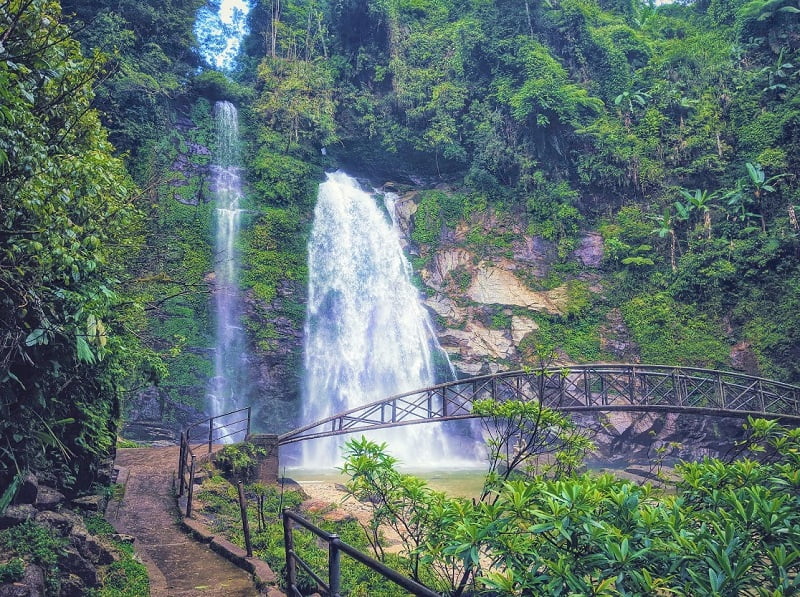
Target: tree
{"x":722,"y":528}
{"x":66,"y":218}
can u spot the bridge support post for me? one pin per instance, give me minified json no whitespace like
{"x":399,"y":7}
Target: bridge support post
{"x":268,"y":466}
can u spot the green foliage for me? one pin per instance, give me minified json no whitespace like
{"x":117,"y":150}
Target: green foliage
{"x":68,"y":217}
{"x":671,"y":333}
{"x":240,"y":461}
{"x":33,"y":542}
{"x":297,"y":101}
{"x":428,"y":219}
{"x":125,"y":577}
{"x":12,"y":571}
{"x":215,"y":86}
{"x":552,"y":214}
{"x":275,"y":251}
{"x":722,"y":528}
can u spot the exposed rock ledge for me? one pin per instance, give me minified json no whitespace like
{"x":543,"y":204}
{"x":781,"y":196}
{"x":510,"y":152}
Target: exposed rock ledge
{"x":493,"y":285}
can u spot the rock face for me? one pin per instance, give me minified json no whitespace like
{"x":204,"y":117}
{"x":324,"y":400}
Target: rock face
{"x":485,"y":304}
{"x":154,"y":417}
{"x":494,"y":285}
{"x":277,"y":366}
{"x":615,"y":338}
{"x":76,"y":572}
{"x":644,"y":437}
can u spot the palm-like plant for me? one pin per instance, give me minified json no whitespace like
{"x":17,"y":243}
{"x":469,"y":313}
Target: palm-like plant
{"x":700,"y":201}
{"x":665,"y":226}
{"x":628,"y":99}
{"x":761,"y":186}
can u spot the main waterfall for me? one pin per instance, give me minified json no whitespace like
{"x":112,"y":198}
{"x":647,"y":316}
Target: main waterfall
{"x":367,"y":335}
{"x":230,"y":385}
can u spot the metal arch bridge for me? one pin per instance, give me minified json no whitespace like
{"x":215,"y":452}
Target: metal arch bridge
{"x":579,"y":388}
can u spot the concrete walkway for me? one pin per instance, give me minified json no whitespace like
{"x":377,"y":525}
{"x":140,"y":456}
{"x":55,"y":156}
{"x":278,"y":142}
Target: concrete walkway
{"x":178,"y":565}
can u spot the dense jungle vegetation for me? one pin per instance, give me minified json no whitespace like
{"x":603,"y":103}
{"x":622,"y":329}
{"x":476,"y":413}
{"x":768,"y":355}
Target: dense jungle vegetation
{"x":721,"y":527}
{"x":671,"y":129}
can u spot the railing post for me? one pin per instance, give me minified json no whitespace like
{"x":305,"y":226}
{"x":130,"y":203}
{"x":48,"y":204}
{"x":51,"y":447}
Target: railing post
{"x":191,"y":489}
{"x":245,"y":523}
{"x":632,"y":386}
{"x":181,"y":465}
{"x":288,"y":543}
{"x":248,"y":422}
{"x":587,"y":388}
{"x":334,"y":567}
{"x":210,"y":433}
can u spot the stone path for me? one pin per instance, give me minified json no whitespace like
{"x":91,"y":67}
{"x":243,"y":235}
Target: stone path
{"x":178,"y":565}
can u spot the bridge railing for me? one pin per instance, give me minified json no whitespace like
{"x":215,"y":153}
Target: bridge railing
{"x":336,"y":547}
{"x":596,"y":387}
{"x":203,"y":435}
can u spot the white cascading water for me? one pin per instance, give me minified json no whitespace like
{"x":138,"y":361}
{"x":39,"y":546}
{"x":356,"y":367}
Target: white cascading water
{"x":367,"y":334}
{"x":229,"y":386}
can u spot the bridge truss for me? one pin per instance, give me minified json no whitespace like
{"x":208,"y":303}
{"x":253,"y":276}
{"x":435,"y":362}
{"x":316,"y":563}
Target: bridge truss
{"x":579,"y":388}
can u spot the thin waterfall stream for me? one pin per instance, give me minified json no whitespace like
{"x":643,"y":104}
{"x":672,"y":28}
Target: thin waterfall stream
{"x":230,"y":385}
{"x":367,"y":334}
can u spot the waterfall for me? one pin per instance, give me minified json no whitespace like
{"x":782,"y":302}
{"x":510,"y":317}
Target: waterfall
{"x":367,"y":334}
{"x":230,"y":384}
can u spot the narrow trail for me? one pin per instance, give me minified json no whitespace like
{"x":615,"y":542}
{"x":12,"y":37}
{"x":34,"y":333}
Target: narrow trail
{"x":178,"y":565}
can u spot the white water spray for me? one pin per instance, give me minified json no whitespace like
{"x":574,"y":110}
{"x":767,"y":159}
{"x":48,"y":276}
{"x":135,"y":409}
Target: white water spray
{"x":229,"y":386}
{"x":367,"y":334}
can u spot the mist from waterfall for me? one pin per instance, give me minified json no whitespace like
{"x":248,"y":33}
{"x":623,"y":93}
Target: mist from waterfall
{"x":230,"y":384}
{"x":367,"y":335}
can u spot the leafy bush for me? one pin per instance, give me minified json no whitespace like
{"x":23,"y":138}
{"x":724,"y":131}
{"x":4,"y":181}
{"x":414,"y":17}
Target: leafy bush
{"x":670,"y":333}
{"x":32,"y":540}
{"x":724,"y":528}
{"x":12,"y":571}
{"x":240,"y":460}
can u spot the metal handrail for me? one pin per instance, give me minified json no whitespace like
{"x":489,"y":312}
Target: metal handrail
{"x":594,"y":387}
{"x":335,"y":547}
{"x":187,"y":460}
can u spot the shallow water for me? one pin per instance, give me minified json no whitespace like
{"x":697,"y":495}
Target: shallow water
{"x":459,"y":483}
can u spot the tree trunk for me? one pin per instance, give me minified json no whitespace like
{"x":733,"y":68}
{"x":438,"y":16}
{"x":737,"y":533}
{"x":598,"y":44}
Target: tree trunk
{"x":672,"y":250}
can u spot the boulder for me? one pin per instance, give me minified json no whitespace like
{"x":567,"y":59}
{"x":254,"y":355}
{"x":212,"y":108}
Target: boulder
{"x":28,"y":490}
{"x":476,"y":342}
{"x":16,"y":514}
{"x":590,"y":250}
{"x":521,"y":327}
{"x":90,"y":503}
{"x":326,"y":511}
{"x":72,"y":562}
{"x":31,"y":584}
{"x":744,"y":359}
{"x":61,"y":523}
{"x":444,"y":262}
{"x":446,"y":308}
{"x":92,"y":548}
{"x":48,"y":498}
